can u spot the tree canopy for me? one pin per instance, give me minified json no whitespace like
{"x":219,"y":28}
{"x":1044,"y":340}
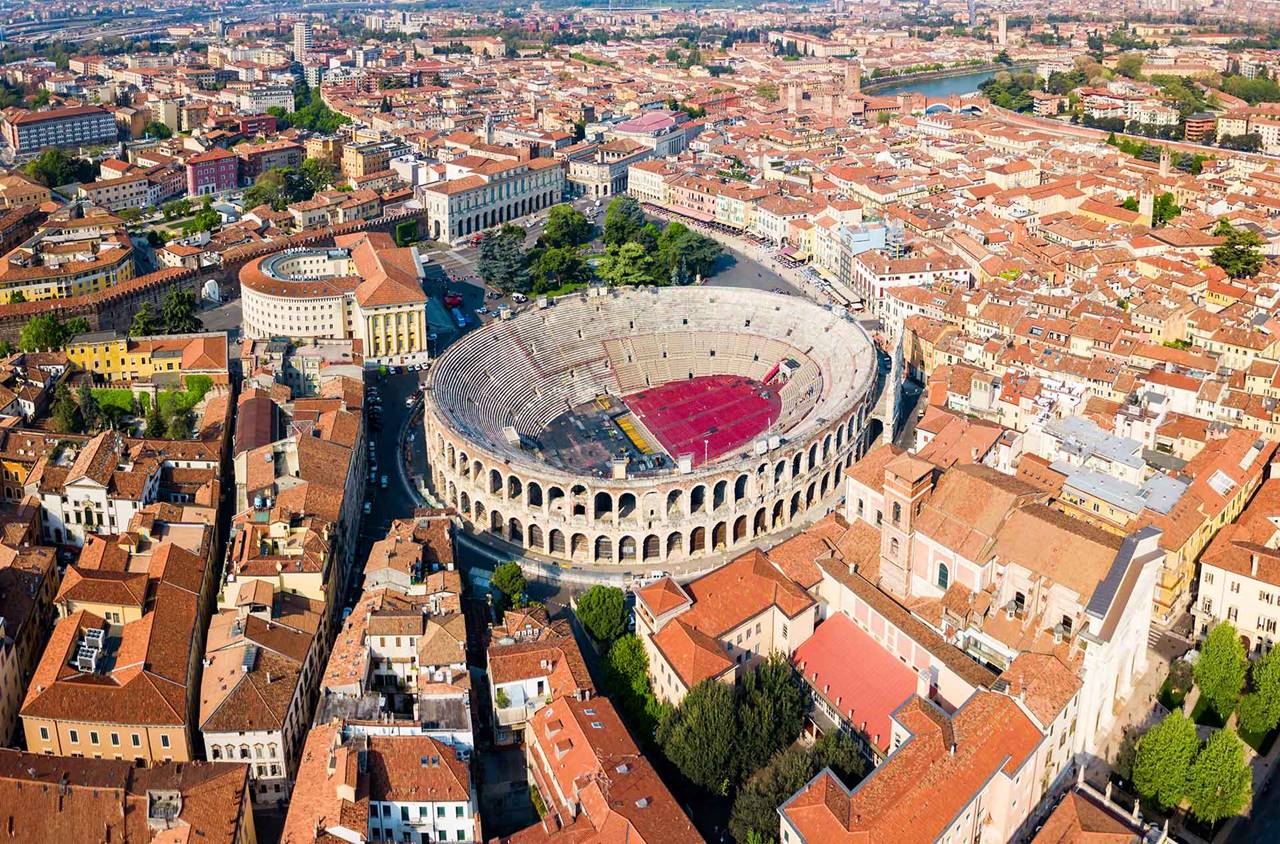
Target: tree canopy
{"x":1260,"y":708}
{"x":508,"y":580}
{"x":55,"y":167}
{"x":1220,"y":671}
{"x":566,"y":226}
{"x":1162,"y":760}
{"x":45,"y":332}
{"x":1241,"y":255}
{"x":622,"y":219}
{"x":603,"y":612}
{"x":1220,"y":781}
{"x":698,"y":736}
{"x":502,"y":261}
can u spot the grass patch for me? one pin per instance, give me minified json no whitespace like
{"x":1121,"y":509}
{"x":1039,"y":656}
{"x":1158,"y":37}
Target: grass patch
{"x":110,"y":400}
{"x":562,"y":290}
{"x":171,"y":401}
{"x":1205,"y":715}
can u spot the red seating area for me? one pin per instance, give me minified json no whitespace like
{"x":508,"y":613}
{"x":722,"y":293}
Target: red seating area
{"x":725,"y":411}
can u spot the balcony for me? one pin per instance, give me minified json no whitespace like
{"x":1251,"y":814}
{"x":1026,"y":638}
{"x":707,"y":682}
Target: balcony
{"x":510,"y":715}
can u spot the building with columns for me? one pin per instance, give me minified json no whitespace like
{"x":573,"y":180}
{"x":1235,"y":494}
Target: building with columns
{"x":483,"y":193}
{"x":364,"y":288}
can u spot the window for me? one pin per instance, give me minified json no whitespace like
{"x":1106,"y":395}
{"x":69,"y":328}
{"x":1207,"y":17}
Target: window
{"x":1232,"y":614}
{"x":1208,"y":577}
{"x":458,"y":811}
{"x":137,"y":742}
{"x":164,"y":741}
{"x":897,"y":513}
{"x":44,"y":733}
{"x":1235,"y":587}
{"x":439,"y":811}
{"x":73,"y":736}
{"x":944,"y":576}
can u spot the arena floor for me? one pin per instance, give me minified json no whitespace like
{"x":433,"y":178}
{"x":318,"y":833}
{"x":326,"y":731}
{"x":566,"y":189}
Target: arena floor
{"x":708,"y":416}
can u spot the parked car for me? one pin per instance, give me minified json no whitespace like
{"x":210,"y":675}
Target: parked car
{"x":383,"y":483}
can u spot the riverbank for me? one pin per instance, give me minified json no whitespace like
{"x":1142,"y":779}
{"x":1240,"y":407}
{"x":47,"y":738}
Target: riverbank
{"x":963,"y":80}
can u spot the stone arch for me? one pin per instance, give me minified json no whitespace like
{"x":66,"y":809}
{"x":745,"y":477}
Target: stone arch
{"x":604,"y":549}
{"x":578,"y":546}
{"x":464,"y":464}
{"x":761,"y":522}
{"x":719,"y":494}
{"x":649,"y":505}
{"x":779,"y":512}
{"x":602,"y":506}
{"x":555,"y":542}
{"x":778,"y":471}
{"x":515,"y":488}
{"x":450,"y":457}
{"x":697,"y":540}
{"x":495,"y":482}
{"x":797,"y":464}
{"x":477,"y":469}
{"x":795,"y":506}
{"x":495,"y":522}
{"x":739,"y":529}
{"x":675,"y":543}
{"x":515,"y":531}
{"x":826,"y":446}
{"x":627,"y":549}
{"x":652,"y":548}
{"x":675,"y":503}
{"x":822,"y":488}
{"x":554,"y":494}
{"x":627,"y":505}
{"x":810,"y":495}
{"x":578,"y":500}
{"x":535,"y":537}
{"x":839,"y":437}
{"x":698,"y":499}
{"x":813,"y":455}
{"x":719,"y":536}
{"x":533,"y":494}
{"x":452,"y":494}
{"x":479,"y":512}
{"x":740,"y":487}
{"x":464,"y":502}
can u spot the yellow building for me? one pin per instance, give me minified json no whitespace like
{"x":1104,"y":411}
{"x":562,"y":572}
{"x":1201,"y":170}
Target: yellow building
{"x":113,"y":357}
{"x":19,"y":190}
{"x":67,"y":257}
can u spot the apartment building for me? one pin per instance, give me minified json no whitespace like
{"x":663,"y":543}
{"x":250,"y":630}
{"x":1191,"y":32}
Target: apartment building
{"x":491,"y":193}
{"x":212,"y":172}
{"x":532,"y":661}
{"x":364,"y":159}
{"x":28,"y":132}
{"x":133,"y":191}
{"x":1240,"y":573}
{"x":67,"y":256}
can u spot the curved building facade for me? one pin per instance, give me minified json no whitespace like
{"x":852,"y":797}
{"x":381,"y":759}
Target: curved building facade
{"x":582,"y":431}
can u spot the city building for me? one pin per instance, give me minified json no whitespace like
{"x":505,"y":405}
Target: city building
{"x":28,"y":132}
{"x":68,"y":256}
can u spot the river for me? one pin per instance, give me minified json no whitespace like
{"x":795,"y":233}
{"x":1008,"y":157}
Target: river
{"x":944,"y":87}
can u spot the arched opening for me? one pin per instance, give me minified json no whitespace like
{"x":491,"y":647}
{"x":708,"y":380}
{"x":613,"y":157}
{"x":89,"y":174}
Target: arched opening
{"x":719,"y":536}
{"x":779,"y":471}
{"x":944,"y":576}
{"x":813,"y":455}
{"x":578,"y":547}
{"x":778,"y":510}
{"x":893,"y":548}
{"x":649,"y":506}
{"x":557,"y":542}
{"x":535,"y":537}
{"x":495,"y":482}
{"x":675,"y":500}
{"x":533,"y":494}
{"x":740,"y":488}
{"x":464,"y":465}
{"x":578,"y":499}
{"x":675,"y":543}
{"x":515,"y":531}
{"x":450,"y":457}
{"x":627,"y":549}
{"x":464,"y":503}
{"x":826,"y":446}
{"x":796,"y":464}
{"x":839,"y":438}
{"x":604,"y":549}
{"x":795,"y":506}
{"x":603,"y":505}
{"x":810,"y":495}
{"x":515,"y":489}
{"x":761,"y":523}
{"x":479,"y":514}
{"x":555,"y":496}
{"x":739,"y":529}
{"x":452,"y":494}
{"x":627,"y":505}
{"x":652,"y":548}
{"x":495,"y":522}
{"x":718,"y":495}
{"x":477,"y":472}
{"x":697,"y":499}
{"x":697,"y":540}
{"x":822,"y":487}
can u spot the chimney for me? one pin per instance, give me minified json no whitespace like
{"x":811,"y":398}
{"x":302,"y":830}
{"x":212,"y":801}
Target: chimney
{"x":1253,"y":565}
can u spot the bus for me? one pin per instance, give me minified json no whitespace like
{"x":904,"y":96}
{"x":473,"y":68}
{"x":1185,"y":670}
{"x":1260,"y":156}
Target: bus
{"x":459,"y":317}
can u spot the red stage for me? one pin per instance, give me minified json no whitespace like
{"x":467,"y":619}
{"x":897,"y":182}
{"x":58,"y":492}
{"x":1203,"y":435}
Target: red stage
{"x":707,"y":416}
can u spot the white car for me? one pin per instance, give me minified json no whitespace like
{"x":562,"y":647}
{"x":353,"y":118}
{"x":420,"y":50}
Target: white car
{"x":383,"y":482}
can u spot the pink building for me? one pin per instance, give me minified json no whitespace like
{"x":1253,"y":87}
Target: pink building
{"x":212,"y":172}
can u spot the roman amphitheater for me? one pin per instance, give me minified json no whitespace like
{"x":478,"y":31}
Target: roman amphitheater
{"x":644,"y":426}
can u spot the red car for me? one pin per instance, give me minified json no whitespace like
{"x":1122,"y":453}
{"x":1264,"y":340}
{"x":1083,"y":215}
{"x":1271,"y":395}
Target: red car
{"x":452,"y":300}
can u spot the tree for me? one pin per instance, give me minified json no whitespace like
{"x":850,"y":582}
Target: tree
{"x":1130,"y":65}
{"x":508,"y":579}
{"x":144,"y":322}
{"x":603,"y":613}
{"x":1240,"y":256}
{"x":155,"y":425}
{"x":54,"y":167}
{"x":1002,"y":57}
{"x":1162,"y":760}
{"x":626,"y":265}
{"x":566,"y":226}
{"x":1260,"y":709}
{"x":555,"y":268}
{"x":1248,"y":142}
{"x":1130,"y":203}
{"x":698,"y":736}
{"x":1220,"y":782}
{"x":626,"y":676}
{"x":841,"y":753}
{"x":89,"y":410}
{"x":205,"y":220}
{"x":1163,"y":209}
{"x":502,"y":261}
{"x":17,"y":297}
{"x":66,"y":415}
{"x":156,"y":129}
{"x":770,"y":715}
{"x":43,"y":332}
{"x":622,"y":219}
{"x":317,"y":174}
{"x":179,"y":426}
{"x":755,"y":809}
{"x":178,"y":312}
{"x":683,"y":254}
{"x":1220,"y":671}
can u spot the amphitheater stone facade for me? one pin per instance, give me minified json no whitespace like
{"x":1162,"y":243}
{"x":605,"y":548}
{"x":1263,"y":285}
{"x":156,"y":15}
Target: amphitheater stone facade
{"x":514,"y":377}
